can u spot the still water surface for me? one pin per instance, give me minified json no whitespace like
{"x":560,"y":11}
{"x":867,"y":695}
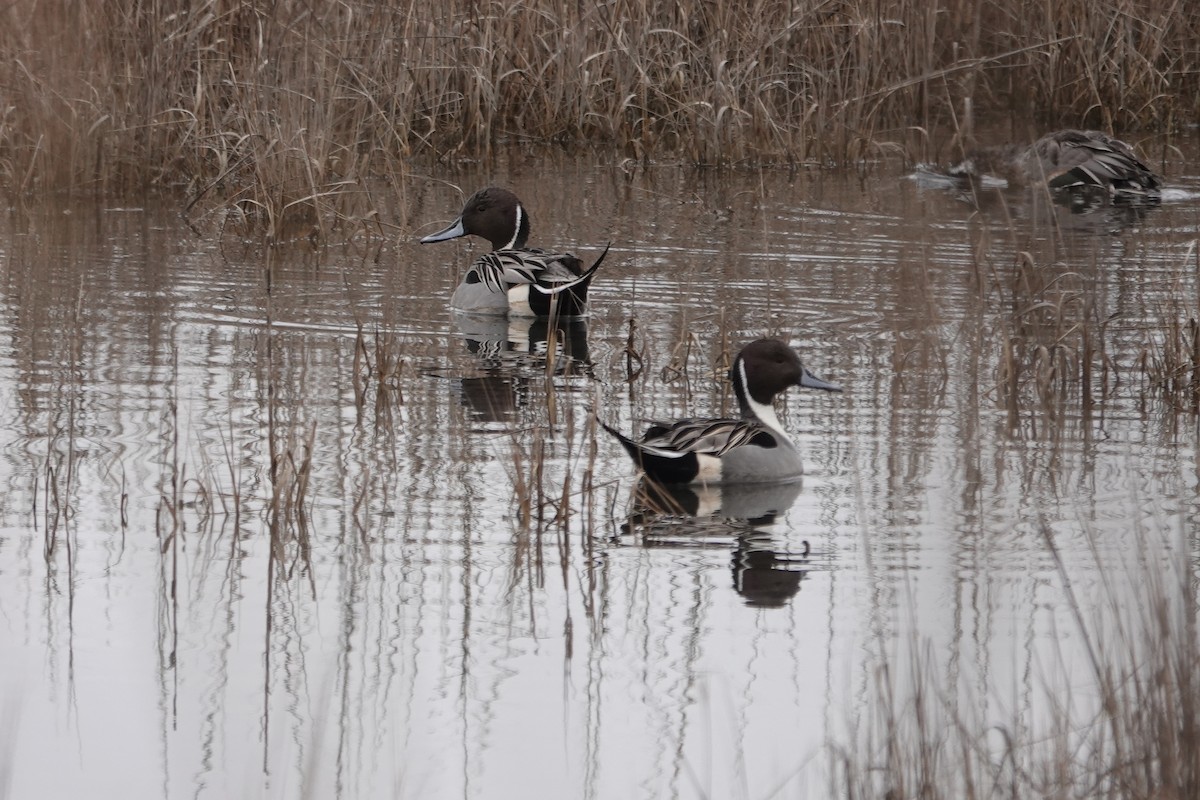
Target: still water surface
{"x":329,"y":540}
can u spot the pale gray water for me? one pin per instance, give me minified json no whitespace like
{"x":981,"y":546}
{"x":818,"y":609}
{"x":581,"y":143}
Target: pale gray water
{"x":419,"y":631}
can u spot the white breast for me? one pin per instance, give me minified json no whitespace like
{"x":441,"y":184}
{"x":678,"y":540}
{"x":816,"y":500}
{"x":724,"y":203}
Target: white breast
{"x":710,"y":469}
{"x":518,"y":301}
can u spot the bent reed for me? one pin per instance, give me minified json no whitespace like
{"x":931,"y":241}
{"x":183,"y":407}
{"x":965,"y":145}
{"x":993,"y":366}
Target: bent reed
{"x":283,"y":106}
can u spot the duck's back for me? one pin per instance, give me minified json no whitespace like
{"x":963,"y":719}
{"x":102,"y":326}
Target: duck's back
{"x":1069,"y":159}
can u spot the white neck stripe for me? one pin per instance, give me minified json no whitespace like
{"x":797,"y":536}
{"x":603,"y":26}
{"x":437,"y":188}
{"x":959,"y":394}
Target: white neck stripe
{"x":516,"y":230}
{"x":765,"y":412}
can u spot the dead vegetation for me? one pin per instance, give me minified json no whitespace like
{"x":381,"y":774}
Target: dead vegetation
{"x":280,"y":112}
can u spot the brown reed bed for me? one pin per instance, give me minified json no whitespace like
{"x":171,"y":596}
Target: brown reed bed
{"x":280,"y":112}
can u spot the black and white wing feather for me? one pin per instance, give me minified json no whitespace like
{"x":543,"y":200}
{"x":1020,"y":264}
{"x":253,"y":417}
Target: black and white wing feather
{"x":676,"y":452}
{"x":500,"y":270}
{"x":710,"y":437}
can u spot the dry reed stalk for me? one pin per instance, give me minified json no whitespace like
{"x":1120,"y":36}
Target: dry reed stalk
{"x":678,"y":368}
{"x":588,"y":489}
{"x":548,"y":373}
{"x":552,"y":492}
{"x":235,"y":480}
{"x":635,"y":357}
{"x":359,"y":374}
{"x":388,"y":365}
{"x":287,"y":508}
{"x":522,"y":489}
{"x":652,"y":500}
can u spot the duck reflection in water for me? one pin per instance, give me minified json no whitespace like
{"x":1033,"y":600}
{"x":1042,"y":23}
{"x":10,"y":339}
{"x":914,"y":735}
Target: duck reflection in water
{"x":511,"y":351}
{"x":767,"y":572}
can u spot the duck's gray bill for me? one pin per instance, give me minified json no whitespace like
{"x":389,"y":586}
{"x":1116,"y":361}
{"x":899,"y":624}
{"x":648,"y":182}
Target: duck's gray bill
{"x":810,"y":381}
{"x":453,"y":232}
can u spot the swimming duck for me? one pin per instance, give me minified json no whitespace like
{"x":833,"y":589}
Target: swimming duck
{"x":753,"y":449}
{"x":514,"y":279}
{"x":1067,"y":161}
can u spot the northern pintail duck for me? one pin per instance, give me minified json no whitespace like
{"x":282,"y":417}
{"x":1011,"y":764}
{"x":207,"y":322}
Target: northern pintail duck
{"x":1067,"y":161}
{"x":753,"y":449}
{"x":514,"y":279}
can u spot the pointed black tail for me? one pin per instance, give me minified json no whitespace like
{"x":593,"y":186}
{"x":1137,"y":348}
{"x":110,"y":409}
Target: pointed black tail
{"x":571,"y":297}
{"x":668,"y":469}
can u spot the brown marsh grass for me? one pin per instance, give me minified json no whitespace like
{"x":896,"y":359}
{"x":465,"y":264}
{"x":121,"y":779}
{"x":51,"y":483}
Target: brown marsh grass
{"x":280,"y":111}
